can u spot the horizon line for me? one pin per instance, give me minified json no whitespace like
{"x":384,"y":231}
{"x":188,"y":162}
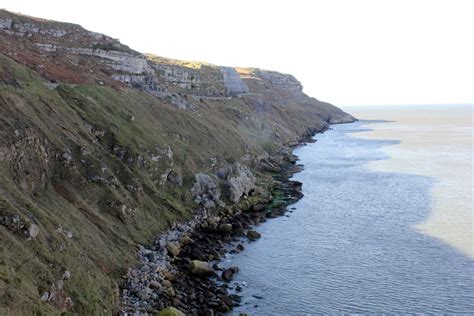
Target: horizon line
{"x":404,"y":104}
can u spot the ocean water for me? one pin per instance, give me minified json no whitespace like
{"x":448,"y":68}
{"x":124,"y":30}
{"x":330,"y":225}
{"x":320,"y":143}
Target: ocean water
{"x":358,"y":241}
{"x":435,"y":141}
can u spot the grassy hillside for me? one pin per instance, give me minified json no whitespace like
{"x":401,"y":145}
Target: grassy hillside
{"x":99,"y":148}
{"x":88,"y":167}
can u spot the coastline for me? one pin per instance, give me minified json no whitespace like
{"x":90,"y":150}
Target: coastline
{"x":349,"y":247}
{"x":186,"y":259}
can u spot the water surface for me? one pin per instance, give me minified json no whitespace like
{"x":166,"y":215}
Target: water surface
{"x":351,"y":245}
{"x":435,"y":141}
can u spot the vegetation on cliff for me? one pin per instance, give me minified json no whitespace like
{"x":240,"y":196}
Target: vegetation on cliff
{"x":99,"y":150}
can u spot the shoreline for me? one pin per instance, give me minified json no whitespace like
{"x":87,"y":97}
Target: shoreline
{"x":180,"y":271}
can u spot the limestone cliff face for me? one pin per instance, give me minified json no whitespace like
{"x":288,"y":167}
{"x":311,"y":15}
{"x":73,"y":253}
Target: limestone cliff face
{"x":89,"y":57}
{"x":233,"y":83}
{"x":102,"y":145}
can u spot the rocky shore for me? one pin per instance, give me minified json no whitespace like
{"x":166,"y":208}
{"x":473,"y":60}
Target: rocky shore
{"x":180,"y":272}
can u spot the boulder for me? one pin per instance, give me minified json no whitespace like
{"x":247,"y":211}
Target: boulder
{"x":205,"y":191}
{"x":33,"y":231}
{"x":171,"y":311}
{"x":155,"y":284}
{"x":201,"y":268}
{"x":225,"y":228}
{"x":170,"y":292}
{"x":186,"y":240}
{"x":253,"y":235}
{"x":173,"y":248}
{"x":168,"y":275}
{"x":241,"y":183}
{"x":228,"y":274}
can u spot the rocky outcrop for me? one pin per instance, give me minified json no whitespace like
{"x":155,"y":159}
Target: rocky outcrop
{"x":146,"y":83}
{"x":206,"y":191}
{"x":283,"y":81}
{"x":117,"y":60}
{"x":342,"y":119}
{"x":233,"y":83}
{"x":6,"y":24}
{"x":288,"y":86}
{"x":238,"y":179}
{"x":179,"y":76}
{"x":253,"y":235}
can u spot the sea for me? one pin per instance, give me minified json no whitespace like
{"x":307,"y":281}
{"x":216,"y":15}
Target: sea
{"x":385,"y":224}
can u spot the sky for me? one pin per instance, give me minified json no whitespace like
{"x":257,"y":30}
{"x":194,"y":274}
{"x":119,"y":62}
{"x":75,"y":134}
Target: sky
{"x":347,"y":52}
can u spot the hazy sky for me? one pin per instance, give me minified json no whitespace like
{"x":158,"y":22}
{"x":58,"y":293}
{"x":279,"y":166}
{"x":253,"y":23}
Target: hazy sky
{"x":344,"y":52}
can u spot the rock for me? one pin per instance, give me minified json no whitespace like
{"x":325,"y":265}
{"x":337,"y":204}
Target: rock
{"x":241,"y":183}
{"x":170,"y":291}
{"x":166,"y":283}
{"x":240,"y":248}
{"x":45,"y":296}
{"x":259,"y":207}
{"x":33,"y":231}
{"x":171,"y":311}
{"x":208,"y":312}
{"x":280,"y":211}
{"x":66,"y":275}
{"x":297,"y":186}
{"x":234,"y":85}
{"x":155,"y":285}
{"x":144,"y":296}
{"x":186,"y":240}
{"x":227,"y":300}
{"x":168,"y":275}
{"x":213,"y":221}
{"x":173,"y":248}
{"x":225,"y":228}
{"x":6,"y":24}
{"x":236,"y":298}
{"x":205,"y":191}
{"x":253,"y":235}
{"x":228,"y":274}
{"x":196,"y":253}
{"x":237,"y":229}
{"x":151,"y":256}
{"x":201,"y":268}
{"x":216,"y":266}
{"x":229,"y":211}
{"x":12,"y":221}
{"x":67,"y":158}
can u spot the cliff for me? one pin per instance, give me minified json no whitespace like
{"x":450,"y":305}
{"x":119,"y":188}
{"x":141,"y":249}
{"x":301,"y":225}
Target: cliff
{"x":102,"y":147}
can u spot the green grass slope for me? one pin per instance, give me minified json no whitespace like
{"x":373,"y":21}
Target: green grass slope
{"x":87,"y":166}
